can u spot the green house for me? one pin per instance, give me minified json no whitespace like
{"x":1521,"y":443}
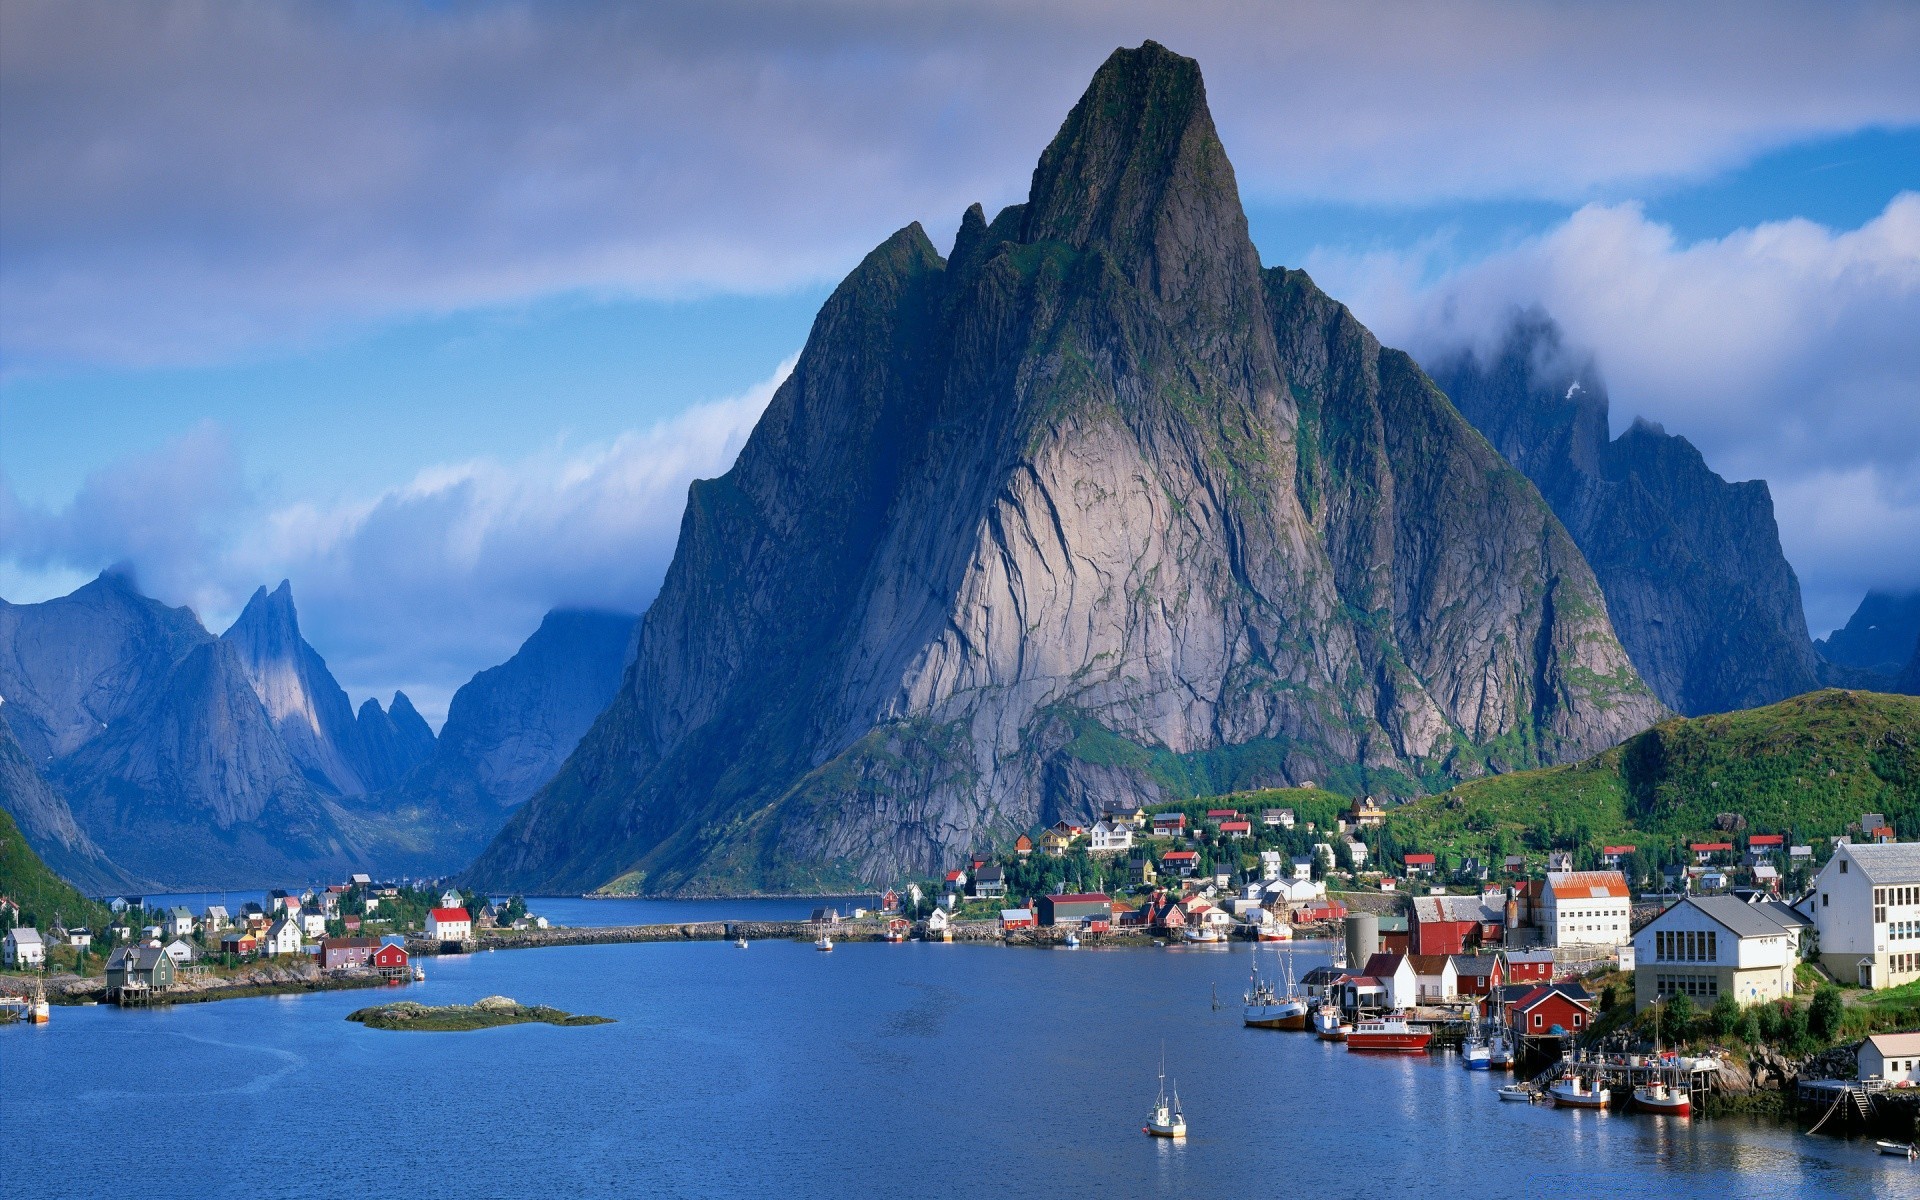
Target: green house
{"x":139,"y":966}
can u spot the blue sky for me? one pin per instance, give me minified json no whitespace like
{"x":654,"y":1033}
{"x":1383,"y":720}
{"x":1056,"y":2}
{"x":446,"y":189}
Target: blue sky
{"x":435,"y":311}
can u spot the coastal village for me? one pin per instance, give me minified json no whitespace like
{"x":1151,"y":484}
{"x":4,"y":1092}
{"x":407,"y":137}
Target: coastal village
{"x":1754,"y":968}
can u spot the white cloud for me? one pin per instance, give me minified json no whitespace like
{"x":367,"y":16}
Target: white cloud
{"x":182,"y":180}
{"x":415,"y":588}
{"x":1785,"y":352}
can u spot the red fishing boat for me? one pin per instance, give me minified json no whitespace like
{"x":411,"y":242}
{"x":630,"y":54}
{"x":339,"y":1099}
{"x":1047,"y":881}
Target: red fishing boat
{"x":1388,"y":1035}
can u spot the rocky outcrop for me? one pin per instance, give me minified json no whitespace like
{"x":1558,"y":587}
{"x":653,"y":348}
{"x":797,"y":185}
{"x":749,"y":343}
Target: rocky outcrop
{"x":48,"y":825}
{"x":1094,"y":508}
{"x":1695,"y":581}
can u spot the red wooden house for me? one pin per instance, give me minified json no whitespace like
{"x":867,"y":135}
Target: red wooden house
{"x":1565,"y":1007}
{"x":390,"y":960}
{"x":1183,"y":861}
{"x":1455,"y":924}
{"x":1532,"y":967}
{"x":1479,"y":974}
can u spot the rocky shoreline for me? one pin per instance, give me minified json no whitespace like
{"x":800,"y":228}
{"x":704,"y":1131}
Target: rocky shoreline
{"x":488,"y":1013}
{"x":264,"y":979}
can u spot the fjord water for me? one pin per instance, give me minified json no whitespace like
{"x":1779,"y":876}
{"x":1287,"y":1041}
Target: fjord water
{"x":874,"y":1070}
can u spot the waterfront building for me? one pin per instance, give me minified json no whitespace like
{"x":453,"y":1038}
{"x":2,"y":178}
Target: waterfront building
{"x":1706,"y":947}
{"x":1435,"y":979}
{"x":24,"y":948}
{"x":283,"y":937}
{"x":455,"y":925}
{"x":1478,"y":974}
{"x":139,"y":966}
{"x":1399,"y":984}
{"x":1865,"y":906}
{"x":1890,"y":1057}
{"x":1586,"y":908}
{"x":1531,"y":966}
{"x":1455,"y":924}
{"x":1074,"y":907}
{"x":1545,"y":1008}
{"x":341,"y":953}
{"x":390,"y":959}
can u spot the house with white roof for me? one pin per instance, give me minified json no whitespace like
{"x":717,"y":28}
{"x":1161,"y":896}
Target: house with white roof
{"x":1706,"y":947}
{"x":24,"y":948}
{"x":1865,"y":906}
{"x":1586,"y":908}
{"x":1892,"y":1057}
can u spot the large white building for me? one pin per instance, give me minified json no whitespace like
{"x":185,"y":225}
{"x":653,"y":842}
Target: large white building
{"x":23,"y":947}
{"x":1865,"y":906}
{"x":1112,"y":837}
{"x":1586,"y":908}
{"x":1706,"y":947}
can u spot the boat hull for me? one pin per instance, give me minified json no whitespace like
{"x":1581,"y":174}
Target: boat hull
{"x":1275,"y":1016}
{"x":1672,"y":1104}
{"x":1388,"y":1043}
{"x":1165,"y":1131}
{"x":1477,"y":1062}
{"x":1570,"y":1099}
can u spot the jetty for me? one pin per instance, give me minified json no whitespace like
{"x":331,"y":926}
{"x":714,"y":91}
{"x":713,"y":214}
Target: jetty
{"x":1621,"y":1073}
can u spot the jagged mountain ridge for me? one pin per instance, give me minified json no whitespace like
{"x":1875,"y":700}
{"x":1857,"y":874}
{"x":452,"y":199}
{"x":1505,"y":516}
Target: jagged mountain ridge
{"x":1880,"y":636}
{"x":1091,"y":508}
{"x":510,"y":727}
{"x":48,"y":824}
{"x":1697,"y":586}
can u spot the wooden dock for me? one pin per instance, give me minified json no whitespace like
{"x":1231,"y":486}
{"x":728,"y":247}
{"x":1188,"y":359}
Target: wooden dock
{"x":1621,"y":1073}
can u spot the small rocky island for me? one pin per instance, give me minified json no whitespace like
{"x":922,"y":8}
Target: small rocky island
{"x":453,"y":1018}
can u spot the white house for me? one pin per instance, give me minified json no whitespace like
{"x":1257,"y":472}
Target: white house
{"x":182,"y":952}
{"x":23,"y":947}
{"x":1706,"y":947}
{"x":1356,"y":853}
{"x":1865,"y":906}
{"x":1586,"y":908}
{"x":1302,"y":868}
{"x":81,"y":938}
{"x":1112,"y":837}
{"x":179,"y":922}
{"x":451,"y":899}
{"x":313,"y":923}
{"x":282,"y":937}
{"x":216,"y":918}
{"x":1435,"y":978}
{"x":1894,"y":1057}
{"x":449,"y":925}
{"x":1272,"y":864}
{"x":1396,"y":974}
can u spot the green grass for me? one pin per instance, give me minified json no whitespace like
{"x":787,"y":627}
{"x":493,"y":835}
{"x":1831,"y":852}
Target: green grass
{"x":32,"y":885}
{"x":1806,"y":767}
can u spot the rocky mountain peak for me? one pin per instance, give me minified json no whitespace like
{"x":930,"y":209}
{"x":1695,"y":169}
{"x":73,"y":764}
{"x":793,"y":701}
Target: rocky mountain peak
{"x":1137,"y":171}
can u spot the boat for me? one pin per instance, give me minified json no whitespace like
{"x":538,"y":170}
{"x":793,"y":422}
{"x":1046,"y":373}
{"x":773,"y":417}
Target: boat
{"x":38,"y":1013}
{"x":823,"y":942}
{"x":1499,"y":1053}
{"x":1660,"y":1097}
{"x":1273,"y":931}
{"x":1202,"y":936}
{"x":1477,"y":1053}
{"x":1073,"y":941}
{"x":1571,"y":1091}
{"x":740,"y":943}
{"x":1268,"y":1009}
{"x":1390,"y":1034}
{"x":1518,"y":1093}
{"x":896,"y":930}
{"x":1330,"y":1025}
{"x":1165,"y":1118}
{"x":1897,"y":1149}
{"x":419,"y":974}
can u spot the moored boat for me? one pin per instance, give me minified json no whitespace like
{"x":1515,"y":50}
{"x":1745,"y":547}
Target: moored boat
{"x":1202,"y":936}
{"x":1571,"y":1091}
{"x":1476,"y":1056}
{"x":1518,"y":1093}
{"x":1268,"y":1009}
{"x":1273,"y":931}
{"x":1897,"y":1149}
{"x":823,"y":942}
{"x":1390,"y":1034}
{"x":38,"y":1013}
{"x":1073,"y":941}
{"x":1499,"y":1053}
{"x":1659,"y":1097}
{"x":1330,"y":1025}
{"x":1165,"y":1119}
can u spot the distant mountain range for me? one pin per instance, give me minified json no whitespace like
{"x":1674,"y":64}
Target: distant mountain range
{"x":141,"y":749}
{"x":1882,"y":636}
{"x":1095,"y":509}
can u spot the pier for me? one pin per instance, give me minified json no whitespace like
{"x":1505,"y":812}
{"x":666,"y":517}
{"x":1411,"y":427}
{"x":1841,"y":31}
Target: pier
{"x":1621,"y":1073}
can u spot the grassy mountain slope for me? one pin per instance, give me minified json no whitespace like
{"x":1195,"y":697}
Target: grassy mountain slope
{"x":1807,"y":766}
{"x":40,"y":893}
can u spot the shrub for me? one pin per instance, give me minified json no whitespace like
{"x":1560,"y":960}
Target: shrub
{"x":1726,"y":1015}
{"x":1750,"y":1028}
{"x":1679,"y":1017}
{"x":1826,"y":1013}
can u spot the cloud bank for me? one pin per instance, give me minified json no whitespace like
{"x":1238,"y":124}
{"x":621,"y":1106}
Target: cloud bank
{"x":415,"y":588}
{"x":182,"y":180}
{"x":1786,"y":352}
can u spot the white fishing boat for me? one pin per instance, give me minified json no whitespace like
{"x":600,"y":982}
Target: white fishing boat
{"x":1518,"y":1093}
{"x":1268,"y":1009}
{"x":1165,"y":1118}
{"x":1330,"y":1024}
{"x":1477,"y":1053}
{"x":1897,"y":1149}
{"x":823,"y":942}
{"x":1073,"y":941}
{"x":1202,"y":936}
{"x":740,"y":943}
{"x":1499,"y":1053}
{"x":1571,"y":1091}
{"x":1660,"y":1097}
{"x":419,"y":974}
{"x":38,"y":1012}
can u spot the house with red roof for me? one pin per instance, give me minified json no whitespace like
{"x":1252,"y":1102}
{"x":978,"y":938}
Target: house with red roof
{"x":1703,"y":852}
{"x":449,"y":925}
{"x":1169,"y":824}
{"x":1236,"y":829}
{"x":1612,"y":855}
{"x":1586,"y":908}
{"x":1418,"y":864}
{"x":1185,"y":862}
{"x":390,"y":960}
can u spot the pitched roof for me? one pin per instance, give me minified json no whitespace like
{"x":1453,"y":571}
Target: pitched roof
{"x":451,"y":914}
{"x":1598,"y":885}
{"x":1736,"y":915}
{"x":1438,"y":909}
{"x":1572,"y":991}
{"x":1891,"y":1044}
{"x":1476,"y":965}
{"x":1766,"y":839}
{"x":25,"y":935}
{"x":1428,"y":964}
{"x":1697,"y":847}
{"x":1384,"y":964}
{"x":1895,"y":863}
{"x":1418,"y":860}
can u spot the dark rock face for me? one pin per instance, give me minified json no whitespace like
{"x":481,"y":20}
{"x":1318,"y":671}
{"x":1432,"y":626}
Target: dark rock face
{"x":1909,"y":681}
{"x":1696,"y":584}
{"x":1095,"y":505}
{"x":509,"y":729}
{"x":71,"y":667}
{"x":1880,"y":636}
{"x":48,"y":825}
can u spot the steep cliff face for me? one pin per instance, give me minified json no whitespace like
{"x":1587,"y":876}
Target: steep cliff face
{"x":1696,"y":584}
{"x":1878,"y":637}
{"x":1097,"y":508}
{"x":70,"y":667}
{"x":337,"y":752}
{"x":48,"y":824}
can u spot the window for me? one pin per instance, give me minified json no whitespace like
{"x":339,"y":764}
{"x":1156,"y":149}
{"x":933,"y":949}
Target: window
{"x":1843,"y":866}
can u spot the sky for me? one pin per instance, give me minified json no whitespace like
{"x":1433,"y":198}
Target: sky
{"x":436,"y":310}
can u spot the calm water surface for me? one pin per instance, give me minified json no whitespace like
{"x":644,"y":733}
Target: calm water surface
{"x":876,"y":1070}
